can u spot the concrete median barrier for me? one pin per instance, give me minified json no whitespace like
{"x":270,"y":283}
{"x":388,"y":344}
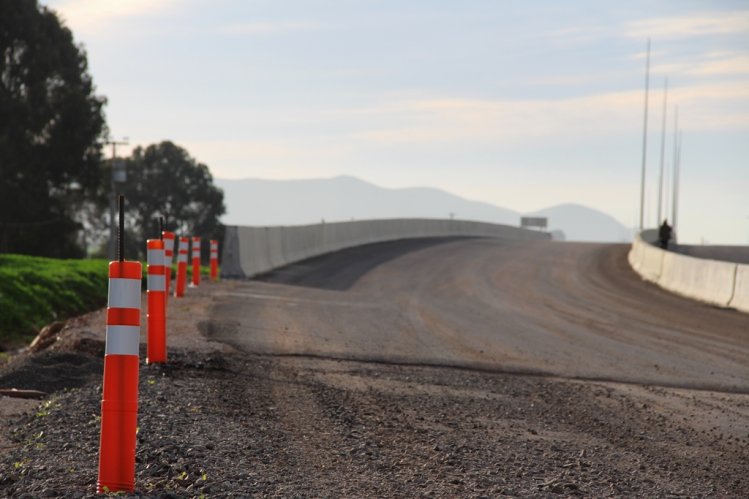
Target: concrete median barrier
{"x":646,"y":260}
{"x":249,"y":251}
{"x":724,"y":284}
{"x":709,"y":281}
{"x":740,"y":299}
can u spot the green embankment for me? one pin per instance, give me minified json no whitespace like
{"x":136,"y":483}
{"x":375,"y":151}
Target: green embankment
{"x":35,"y":291}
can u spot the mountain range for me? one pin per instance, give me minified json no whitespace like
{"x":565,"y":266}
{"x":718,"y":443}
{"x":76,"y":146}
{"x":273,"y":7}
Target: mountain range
{"x":262,"y":202}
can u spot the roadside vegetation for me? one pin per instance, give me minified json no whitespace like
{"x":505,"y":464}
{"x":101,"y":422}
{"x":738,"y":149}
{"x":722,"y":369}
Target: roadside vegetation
{"x":35,"y":291}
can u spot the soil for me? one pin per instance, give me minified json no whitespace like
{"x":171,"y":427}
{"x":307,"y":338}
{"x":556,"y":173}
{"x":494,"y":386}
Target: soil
{"x":217,"y":421}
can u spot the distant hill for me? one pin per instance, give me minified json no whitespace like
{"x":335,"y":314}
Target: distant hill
{"x":291,"y":202}
{"x":295,"y":202}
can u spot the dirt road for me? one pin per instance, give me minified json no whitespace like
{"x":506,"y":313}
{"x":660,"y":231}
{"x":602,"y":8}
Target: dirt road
{"x":563,"y":309}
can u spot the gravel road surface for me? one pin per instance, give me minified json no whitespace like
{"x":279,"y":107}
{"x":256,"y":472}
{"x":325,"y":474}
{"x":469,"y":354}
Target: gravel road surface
{"x":565,"y":309}
{"x":450,"y":368}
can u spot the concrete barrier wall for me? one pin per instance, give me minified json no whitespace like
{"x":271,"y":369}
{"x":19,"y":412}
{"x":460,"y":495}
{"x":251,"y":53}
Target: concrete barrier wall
{"x":709,"y":281}
{"x":740,"y":299}
{"x":249,"y":251}
{"x":646,"y":259}
{"x":719,"y":283}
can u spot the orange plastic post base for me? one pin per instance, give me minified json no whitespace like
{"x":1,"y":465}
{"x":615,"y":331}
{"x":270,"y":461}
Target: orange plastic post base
{"x":156,"y":349}
{"x":195,"y":272}
{"x":214,"y":269}
{"x":168,"y":282}
{"x":181,"y":279}
{"x":119,"y":419}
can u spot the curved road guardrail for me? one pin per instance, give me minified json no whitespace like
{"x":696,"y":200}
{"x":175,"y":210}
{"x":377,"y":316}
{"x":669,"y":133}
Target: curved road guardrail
{"x":249,"y":251}
{"x":718,"y":283}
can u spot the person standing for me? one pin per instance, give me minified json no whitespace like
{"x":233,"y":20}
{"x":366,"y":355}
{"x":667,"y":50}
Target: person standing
{"x":664,"y":234}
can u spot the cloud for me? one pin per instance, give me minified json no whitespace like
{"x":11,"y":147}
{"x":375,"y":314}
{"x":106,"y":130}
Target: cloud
{"x":269,"y":27}
{"x":525,"y":122}
{"x":710,"y":64}
{"x":267,"y":158}
{"x":732,"y":65}
{"x":500,"y":121}
{"x":724,"y":23}
{"x":87,"y":15}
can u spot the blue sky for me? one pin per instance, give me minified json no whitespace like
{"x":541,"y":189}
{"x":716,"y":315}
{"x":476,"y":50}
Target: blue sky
{"x":521,"y":104}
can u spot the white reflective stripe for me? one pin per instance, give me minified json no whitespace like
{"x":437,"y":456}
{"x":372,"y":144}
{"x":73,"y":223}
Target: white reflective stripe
{"x":155,"y":257}
{"x":168,"y":259}
{"x":124,"y":293}
{"x":182,"y":258}
{"x":214,"y":246}
{"x":169,"y":244}
{"x":156,"y":282}
{"x":122,"y":340}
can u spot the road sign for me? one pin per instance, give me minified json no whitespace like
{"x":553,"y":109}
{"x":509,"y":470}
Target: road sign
{"x":540,"y":222}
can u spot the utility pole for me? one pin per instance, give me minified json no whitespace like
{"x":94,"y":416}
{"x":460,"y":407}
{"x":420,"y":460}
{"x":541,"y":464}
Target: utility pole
{"x":644,"y":140}
{"x":118,"y":176}
{"x":663,"y":151}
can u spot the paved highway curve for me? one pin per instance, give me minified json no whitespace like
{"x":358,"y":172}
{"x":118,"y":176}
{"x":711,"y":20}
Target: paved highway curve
{"x":571,"y":310}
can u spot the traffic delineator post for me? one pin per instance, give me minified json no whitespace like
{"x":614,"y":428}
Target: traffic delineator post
{"x":214,"y":259}
{"x":179,"y":290}
{"x":119,"y":405}
{"x":168,"y":258}
{"x":195,"y":261}
{"x":156,"y":318}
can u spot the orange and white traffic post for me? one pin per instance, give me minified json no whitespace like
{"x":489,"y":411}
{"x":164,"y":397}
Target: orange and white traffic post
{"x":156,"y":350}
{"x":168,"y":257}
{"x":179,"y":290}
{"x":195,"y":261}
{"x":119,"y":405}
{"x":214,"y":259}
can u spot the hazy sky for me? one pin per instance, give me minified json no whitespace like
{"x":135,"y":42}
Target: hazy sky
{"x":521,"y":104}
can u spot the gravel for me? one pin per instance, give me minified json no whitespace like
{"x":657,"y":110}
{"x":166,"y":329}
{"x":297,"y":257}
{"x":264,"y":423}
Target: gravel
{"x":236,"y":425}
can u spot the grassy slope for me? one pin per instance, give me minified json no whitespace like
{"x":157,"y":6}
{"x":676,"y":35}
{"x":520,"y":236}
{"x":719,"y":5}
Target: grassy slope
{"x":35,"y":291}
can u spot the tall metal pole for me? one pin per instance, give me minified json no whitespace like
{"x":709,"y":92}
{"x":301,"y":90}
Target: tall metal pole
{"x":663,"y":150}
{"x":677,"y":180}
{"x":674,"y":163}
{"x":644,"y":140}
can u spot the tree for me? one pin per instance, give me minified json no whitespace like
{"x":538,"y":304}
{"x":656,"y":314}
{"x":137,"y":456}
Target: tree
{"x":50,"y":122}
{"x":163,"y":180}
